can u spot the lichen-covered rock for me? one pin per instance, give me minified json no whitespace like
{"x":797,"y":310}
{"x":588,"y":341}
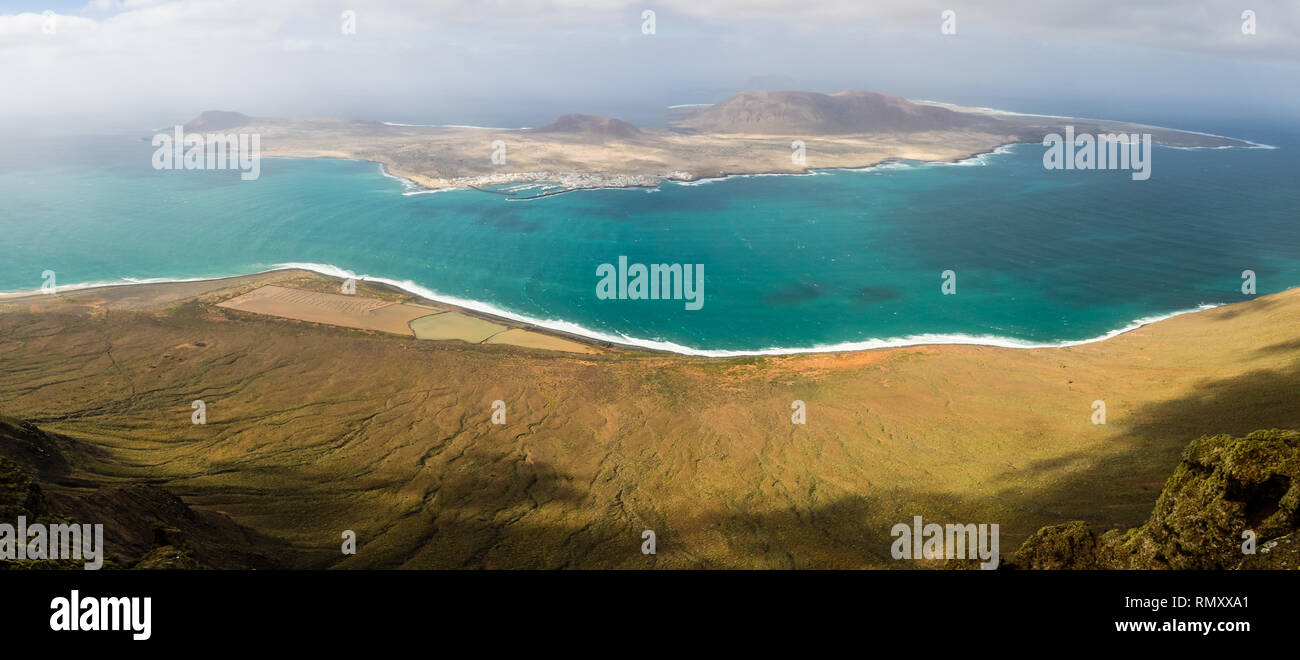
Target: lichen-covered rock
{"x":167,"y":558}
{"x":1281,"y":554}
{"x":1069,"y":546}
{"x":1223,"y":486}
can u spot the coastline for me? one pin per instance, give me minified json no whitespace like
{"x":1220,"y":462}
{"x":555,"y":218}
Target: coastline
{"x":570,"y":330}
{"x":573,"y":331}
{"x":1250,"y":144}
{"x":585,"y":158}
{"x":414,"y":187}
{"x":639,"y":182}
{"x":365,"y":425}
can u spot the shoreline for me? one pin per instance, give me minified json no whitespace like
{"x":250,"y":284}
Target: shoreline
{"x":598,"y":173}
{"x":413,"y":187}
{"x":573,"y":331}
{"x":1251,"y":144}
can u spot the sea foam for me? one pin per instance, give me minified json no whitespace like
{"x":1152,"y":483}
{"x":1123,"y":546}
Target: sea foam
{"x":673,"y":347}
{"x":925,"y":339}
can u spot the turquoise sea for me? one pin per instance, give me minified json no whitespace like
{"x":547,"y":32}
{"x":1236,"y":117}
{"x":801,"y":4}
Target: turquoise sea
{"x":838,"y":259}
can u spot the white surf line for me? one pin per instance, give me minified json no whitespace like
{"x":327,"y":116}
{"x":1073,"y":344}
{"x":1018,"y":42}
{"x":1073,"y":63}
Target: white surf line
{"x":407,"y":183}
{"x":1253,"y":145}
{"x":924,"y":339}
{"x":125,"y":281}
{"x":575,"y":329}
{"x":715,"y":179}
{"x":672,"y":347}
{"x":431,"y":191}
{"x":414,"y":188}
{"x":980,"y":158}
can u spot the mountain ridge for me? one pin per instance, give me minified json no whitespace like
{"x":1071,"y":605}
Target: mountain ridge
{"x":814,"y":113}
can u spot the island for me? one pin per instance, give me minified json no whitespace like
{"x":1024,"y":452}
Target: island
{"x":748,"y":133}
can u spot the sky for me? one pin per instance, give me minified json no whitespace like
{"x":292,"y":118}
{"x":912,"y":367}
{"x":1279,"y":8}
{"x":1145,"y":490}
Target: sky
{"x":133,"y":64}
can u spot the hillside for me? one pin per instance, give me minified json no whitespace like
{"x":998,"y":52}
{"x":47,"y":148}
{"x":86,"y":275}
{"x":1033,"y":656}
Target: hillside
{"x":313,"y":429}
{"x":811,"y":113}
{"x":145,"y":526}
{"x":596,"y":127}
{"x":217,"y":120}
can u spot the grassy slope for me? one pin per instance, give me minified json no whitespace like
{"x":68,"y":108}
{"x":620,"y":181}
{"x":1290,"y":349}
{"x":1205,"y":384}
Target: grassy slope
{"x":312,"y":430}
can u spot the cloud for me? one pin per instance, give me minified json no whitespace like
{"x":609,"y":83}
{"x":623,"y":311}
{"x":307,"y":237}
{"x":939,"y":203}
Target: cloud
{"x":131,"y":57}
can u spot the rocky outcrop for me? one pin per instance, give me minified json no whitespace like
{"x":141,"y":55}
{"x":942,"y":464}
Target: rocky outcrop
{"x":1224,"y":488}
{"x":1064,"y":546}
{"x":32,"y":449}
{"x":1278,"y":554}
{"x":145,"y":526}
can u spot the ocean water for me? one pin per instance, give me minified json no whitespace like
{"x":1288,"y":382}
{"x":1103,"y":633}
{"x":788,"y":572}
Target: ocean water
{"x":838,"y":259}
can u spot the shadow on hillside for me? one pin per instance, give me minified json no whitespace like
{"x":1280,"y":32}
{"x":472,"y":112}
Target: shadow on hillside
{"x":1152,"y":441}
{"x":1233,"y":311}
{"x":1280,"y":347}
{"x":855,"y":532}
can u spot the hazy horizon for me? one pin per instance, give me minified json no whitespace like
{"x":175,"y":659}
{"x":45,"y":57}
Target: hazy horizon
{"x":139,"y":64}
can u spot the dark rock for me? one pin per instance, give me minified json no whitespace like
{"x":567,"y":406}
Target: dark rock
{"x":1223,"y":487}
{"x":1070,"y":546}
{"x":140,"y":520}
{"x":20,"y":495}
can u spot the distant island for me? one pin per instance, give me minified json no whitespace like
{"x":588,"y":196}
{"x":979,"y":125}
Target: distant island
{"x":749,"y":133}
